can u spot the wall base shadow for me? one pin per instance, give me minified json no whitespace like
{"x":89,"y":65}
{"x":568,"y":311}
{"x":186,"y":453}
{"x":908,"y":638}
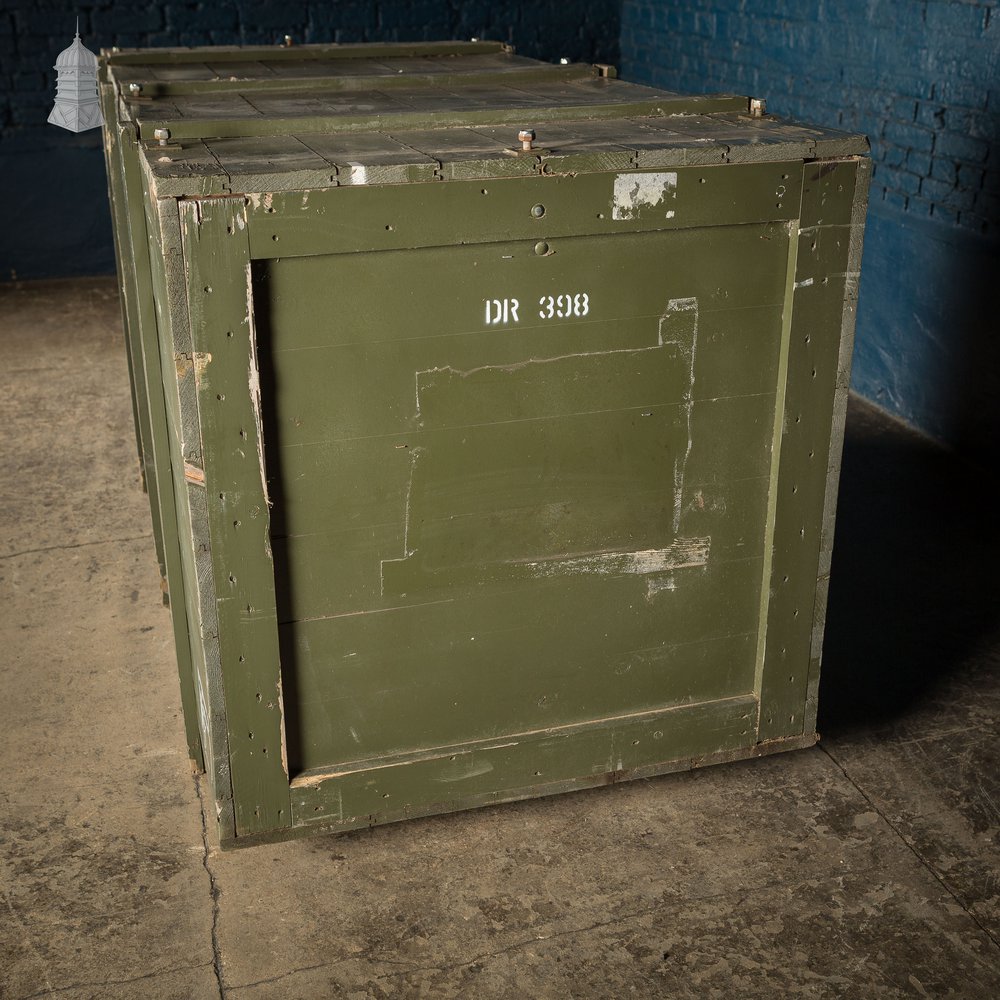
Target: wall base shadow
{"x":913,"y":595}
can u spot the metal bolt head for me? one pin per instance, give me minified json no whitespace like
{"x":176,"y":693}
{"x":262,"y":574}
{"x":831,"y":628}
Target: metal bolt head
{"x":564,"y":61}
{"x":288,"y":41}
{"x":162,"y":134}
{"x":135,"y":88}
{"x":526,"y":137}
{"x":758,"y":107}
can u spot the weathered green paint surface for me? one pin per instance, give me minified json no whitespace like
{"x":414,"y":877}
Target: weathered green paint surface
{"x":491,"y":472}
{"x":152,"y":430}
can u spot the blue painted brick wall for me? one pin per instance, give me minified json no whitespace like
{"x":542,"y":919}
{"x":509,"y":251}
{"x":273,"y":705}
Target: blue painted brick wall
{"x":58,"y":222}
{"x":922,"y":80}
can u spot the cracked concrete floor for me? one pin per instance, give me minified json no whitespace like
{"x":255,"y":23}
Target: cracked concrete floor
{"x":866,"y":867}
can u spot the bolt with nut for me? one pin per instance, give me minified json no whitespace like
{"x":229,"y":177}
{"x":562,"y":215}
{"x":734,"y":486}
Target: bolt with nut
{"x":162,"y":135}
{"x":526,"y":137}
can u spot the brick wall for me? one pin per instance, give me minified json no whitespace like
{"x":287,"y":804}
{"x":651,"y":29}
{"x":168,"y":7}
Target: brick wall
{"x":922,"y":79}
{"x":59,"y":225}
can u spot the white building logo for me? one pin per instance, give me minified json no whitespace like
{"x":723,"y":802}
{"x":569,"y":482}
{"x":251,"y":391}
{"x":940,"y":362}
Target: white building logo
{"x":76,"y":106}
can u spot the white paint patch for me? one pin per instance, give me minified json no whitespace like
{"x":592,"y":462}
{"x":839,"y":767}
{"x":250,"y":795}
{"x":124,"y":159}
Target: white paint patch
{"x":658,"y":584}
{"x":686,"y":341}
{"x":682,"y":554}
{"x":261,"y":200}
{"x":805,"y":283}
{"x":633,"y":192}
{"x":359,"y":173}
{"x":670,"y":213}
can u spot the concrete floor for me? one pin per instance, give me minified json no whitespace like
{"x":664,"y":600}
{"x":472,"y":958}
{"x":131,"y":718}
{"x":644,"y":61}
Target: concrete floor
{"x":867,"y":867}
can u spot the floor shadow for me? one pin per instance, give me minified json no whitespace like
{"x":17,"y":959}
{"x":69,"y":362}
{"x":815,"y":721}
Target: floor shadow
{"x":914,"y":586}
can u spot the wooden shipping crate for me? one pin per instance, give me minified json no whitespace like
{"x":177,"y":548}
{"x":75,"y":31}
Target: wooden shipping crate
{"x":482,"y":466}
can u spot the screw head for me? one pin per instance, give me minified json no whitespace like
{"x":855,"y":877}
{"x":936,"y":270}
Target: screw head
{"x":758,"y":107}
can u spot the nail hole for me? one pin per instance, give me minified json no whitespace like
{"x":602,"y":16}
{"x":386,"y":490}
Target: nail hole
{"x":389,"y":229}
{"x":208,"y":288}
{"x":236,"y":524}
{"x":274,"y":238}
{"x":220,"y":396}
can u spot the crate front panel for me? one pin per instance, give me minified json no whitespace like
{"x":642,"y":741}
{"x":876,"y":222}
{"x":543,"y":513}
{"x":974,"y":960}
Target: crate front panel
{"x":516,"y":487}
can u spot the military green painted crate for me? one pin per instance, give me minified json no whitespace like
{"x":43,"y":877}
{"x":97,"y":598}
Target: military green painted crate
{"x":481,"y":466}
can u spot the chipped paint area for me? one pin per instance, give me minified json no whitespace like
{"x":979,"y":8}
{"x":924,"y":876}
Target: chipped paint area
{"x":660,"y":584}
{"x":358,"y":174}
{"x":519,"y":365}
{"x":200,"y":360}
{"x":633,"y":192}
{"x":683,"y":554}
{"x":258,"y":201}
{"x":681,"y":318}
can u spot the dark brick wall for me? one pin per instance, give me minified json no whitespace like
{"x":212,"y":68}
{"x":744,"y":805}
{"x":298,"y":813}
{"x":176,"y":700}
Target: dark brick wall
{"x":922,"y":80}
{"x":58,"y":224}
